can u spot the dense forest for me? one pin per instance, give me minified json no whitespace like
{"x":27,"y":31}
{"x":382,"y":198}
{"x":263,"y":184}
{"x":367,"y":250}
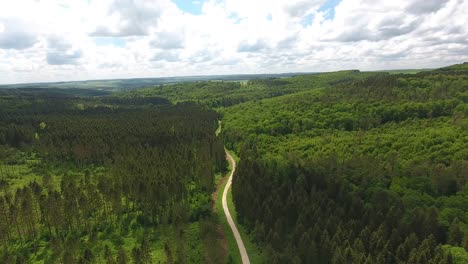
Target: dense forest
{"x":341,"y":167}
{"x":369,"y":170}
{"x":105,"y":180}
{"x":347,"y":167}
{"x":217,"y":94}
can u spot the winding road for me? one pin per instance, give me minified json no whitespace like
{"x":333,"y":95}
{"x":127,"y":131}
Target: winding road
{"x":240,"y":243}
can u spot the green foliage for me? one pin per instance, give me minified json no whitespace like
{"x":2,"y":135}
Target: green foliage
{"x":380,"y":159}
{"x":114,"y":180}
{"x":458,"y":254}
{"x":223,"y":94}
{"x":343,"y":167}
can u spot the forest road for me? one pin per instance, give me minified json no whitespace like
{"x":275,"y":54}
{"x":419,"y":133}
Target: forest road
{"x":240,"y":243}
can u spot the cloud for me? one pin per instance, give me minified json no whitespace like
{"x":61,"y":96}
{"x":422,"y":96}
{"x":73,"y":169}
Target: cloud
{"x":15,"y":34}
{"x":288,"y":42}
{"x":395,"y":26}
{"x":301,"y":8}
{"x":63,"y":58}
{"x":203,"y":56}
{"x":50,"y":41}
{"x":425,"y":6}
{"x":256,"y":46}
{"x":227,"y":61}
{"x":123,"y":30}
{"x":386,"y":30}
{"x":130,"y":18}
{"x":61,"y":52}
{"x":371,"y":22}
{"x":168,"y":40}
{"x":167,"y":56}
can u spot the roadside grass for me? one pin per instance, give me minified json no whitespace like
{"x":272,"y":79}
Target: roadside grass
{"x":255,"y":254}
{"x":234,"y":254}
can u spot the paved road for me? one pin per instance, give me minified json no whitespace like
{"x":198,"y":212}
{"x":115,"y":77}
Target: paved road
{"x":240,"y":243}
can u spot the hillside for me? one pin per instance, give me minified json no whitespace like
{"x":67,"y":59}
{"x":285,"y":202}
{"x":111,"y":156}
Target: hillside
{"x":218,"y":94}
{"x":105,"y":86}
{"x":340,"y":167}
{"x":347,"y":167}
{"x":365,"y":171}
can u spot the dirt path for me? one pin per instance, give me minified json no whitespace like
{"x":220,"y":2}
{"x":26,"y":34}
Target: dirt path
{"x":240,"y":243}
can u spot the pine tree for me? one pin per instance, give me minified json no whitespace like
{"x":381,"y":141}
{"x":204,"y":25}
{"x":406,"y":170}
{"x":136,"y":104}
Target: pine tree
{"x":108,"y":255}
{"x":465,"y":242}
{"x":122,"y":257}
{"x":136,"y":255}
{"x":455,"y":235}
{"x":88,"y":256}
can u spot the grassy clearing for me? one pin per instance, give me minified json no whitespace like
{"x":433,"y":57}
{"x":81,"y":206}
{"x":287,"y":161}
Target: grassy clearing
{"x":199,"y":246}
{"x":218,"y":130}
{"x":190,"y":246}
{"x":15,"y":176}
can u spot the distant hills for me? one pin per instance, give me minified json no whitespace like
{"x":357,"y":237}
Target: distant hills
{"x":104,"y":87}
{"x":130,"y":84}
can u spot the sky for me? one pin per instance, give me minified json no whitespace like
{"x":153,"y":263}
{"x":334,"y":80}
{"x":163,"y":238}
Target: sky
{"x":59,"y":40}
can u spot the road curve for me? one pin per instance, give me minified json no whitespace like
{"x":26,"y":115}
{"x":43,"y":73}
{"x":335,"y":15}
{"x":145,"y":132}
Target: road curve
{"x":240,"y":243}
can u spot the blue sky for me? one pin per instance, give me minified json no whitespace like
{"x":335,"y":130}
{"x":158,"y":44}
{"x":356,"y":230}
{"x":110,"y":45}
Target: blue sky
{"x":194,"y":7}
{"x":189,"y":6}
{"x":106,"y":41}
{"x":329,"y":8}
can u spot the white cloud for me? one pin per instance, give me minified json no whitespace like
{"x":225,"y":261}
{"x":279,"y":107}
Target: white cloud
{"x":62,"y":52}
{"x":425,"y":6}
{"x":130,"y":17}
{"x":256,"y":46}
{"x":15,"y":34}
{"x":167,"y":56}
{"x":55,"y":40}
{"x":168,"y":40}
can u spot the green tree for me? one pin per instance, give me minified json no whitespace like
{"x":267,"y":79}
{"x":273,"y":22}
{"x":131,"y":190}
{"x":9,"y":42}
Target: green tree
{"x":455,"y":235}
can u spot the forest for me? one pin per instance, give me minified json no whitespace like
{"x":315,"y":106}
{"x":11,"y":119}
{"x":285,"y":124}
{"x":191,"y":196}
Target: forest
{"x":218,"y":94}
{"x":339,"y":167}
{"x":106,"y":180}
{"x":369,"y":170}
{"x":347,"y":167}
